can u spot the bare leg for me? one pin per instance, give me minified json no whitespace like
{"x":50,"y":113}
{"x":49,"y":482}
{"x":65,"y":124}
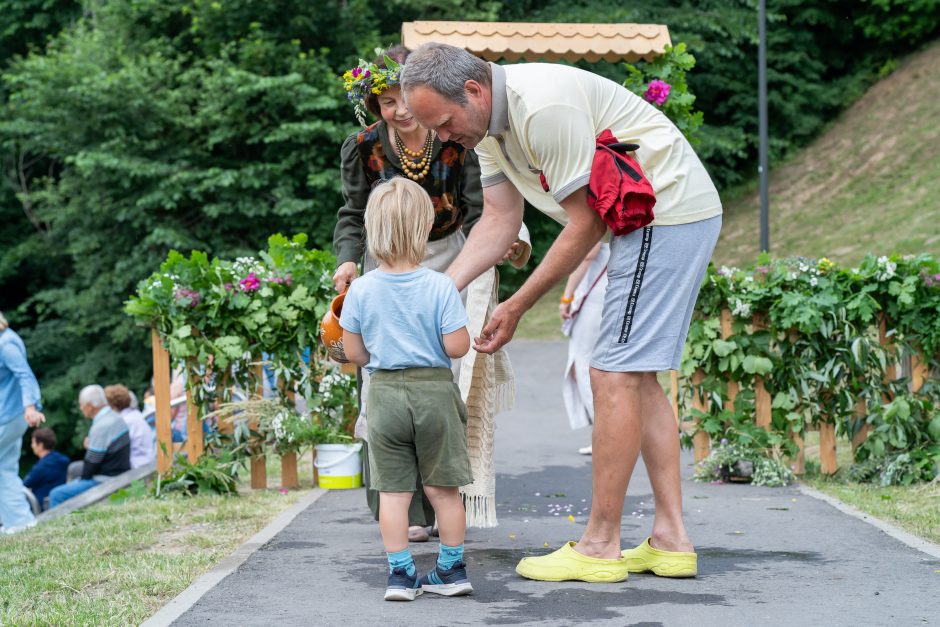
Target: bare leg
{"x":393,"y":520}
{"x":451,"y":517}
{"x":660,"y":447}
{"x":616,"y":442}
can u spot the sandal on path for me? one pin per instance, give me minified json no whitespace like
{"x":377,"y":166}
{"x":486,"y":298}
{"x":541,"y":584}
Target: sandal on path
{"x":645,"y":559}
{"x":566,"y":564}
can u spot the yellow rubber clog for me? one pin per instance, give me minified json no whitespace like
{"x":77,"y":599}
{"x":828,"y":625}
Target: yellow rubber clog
{"x":646,"y":559}
{"x":566,"y":564}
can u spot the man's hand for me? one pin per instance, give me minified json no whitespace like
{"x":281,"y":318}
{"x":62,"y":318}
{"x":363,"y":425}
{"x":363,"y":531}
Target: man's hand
{"x":33,"y":416}
{"x":514,"y":251}
{"x":499,"y":330}
{"x":344,"y":275}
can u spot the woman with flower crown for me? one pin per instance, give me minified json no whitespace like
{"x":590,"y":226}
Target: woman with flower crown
{"x":396,"y":145}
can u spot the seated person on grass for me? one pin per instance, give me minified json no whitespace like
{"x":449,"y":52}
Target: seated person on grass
{"x":109,"y":446}
{"x":143,"y":441}
{"x":50,"y":471}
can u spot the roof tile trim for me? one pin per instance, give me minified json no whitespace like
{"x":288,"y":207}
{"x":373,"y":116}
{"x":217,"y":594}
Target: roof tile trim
{"x":549,"y":41}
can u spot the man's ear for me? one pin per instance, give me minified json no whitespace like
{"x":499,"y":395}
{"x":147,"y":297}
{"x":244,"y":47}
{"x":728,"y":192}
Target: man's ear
{"x":474,"y":89}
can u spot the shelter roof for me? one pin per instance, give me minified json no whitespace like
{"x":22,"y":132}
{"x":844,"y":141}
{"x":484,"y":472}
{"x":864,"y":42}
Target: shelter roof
{"x":533,"y":41}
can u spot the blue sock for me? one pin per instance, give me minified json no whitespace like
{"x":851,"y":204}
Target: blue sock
{"x":448,"y":556}
{"x":402,"y":559}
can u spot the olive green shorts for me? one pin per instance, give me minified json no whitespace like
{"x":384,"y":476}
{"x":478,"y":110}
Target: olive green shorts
{"x":417,"y":426}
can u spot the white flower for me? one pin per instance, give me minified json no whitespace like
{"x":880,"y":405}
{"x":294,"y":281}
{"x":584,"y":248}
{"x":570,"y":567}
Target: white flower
{"x":791,"y":276}
{"x":741,"y":309}
{"x":813,"y":281}
{"x":803,"y":267}
{"x":886,"y":269}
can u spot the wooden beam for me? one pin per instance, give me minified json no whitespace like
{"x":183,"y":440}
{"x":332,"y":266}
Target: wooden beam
{"x":289,"y":479}
{"x":195,"y":444}
{"x":161,"y":394}
{"x":259,"y":470}
{"x":827,"y":448}
{"x":726,"y":332}
{"x":762,"y":402}
{"x":798,"y":464}
{"x":920,"y":370}
{"x":701,"y":443}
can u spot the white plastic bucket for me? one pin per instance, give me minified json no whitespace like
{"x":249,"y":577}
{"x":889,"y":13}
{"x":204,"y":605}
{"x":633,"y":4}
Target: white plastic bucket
{"x":339,"y":465}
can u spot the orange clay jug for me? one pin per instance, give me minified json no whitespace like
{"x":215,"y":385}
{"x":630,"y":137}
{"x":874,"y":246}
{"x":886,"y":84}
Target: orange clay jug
{"x":331,"y":334}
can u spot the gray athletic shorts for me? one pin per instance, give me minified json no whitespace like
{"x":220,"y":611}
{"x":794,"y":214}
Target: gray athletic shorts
{"x":654,"y":275}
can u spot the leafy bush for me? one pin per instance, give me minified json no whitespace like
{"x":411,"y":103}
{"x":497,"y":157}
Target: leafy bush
{"x":767,"y":471}
{"x":213,"y":474}
{"x":662,"y":83}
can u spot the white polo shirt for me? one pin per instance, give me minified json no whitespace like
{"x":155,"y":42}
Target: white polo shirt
{"x":545,"y":118}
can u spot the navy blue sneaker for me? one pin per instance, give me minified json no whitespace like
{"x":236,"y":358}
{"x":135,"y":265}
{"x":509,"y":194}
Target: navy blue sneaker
{"x":452,"y":582}
{"x":402,"y":586}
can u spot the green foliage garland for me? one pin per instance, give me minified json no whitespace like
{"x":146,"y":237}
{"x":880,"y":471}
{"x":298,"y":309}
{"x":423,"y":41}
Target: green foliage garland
{"x":809,"y":330}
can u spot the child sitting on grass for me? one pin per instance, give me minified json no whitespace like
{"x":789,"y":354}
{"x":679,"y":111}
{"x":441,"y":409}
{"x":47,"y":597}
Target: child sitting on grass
{"x":404,"y":323}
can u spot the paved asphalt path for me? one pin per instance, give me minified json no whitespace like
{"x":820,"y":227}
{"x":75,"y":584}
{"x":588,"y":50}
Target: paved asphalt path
{"x":766,"y":556}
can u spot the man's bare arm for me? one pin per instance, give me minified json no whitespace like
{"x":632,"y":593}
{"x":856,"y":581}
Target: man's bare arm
{"x":572,"y":245}
{"x":491,"y":236}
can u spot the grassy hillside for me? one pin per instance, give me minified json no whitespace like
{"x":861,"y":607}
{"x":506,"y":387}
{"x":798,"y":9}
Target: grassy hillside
{"x":871,"y":183}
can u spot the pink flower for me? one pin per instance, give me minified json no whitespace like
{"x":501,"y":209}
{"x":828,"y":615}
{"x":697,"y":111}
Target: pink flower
{"x":250,"y":283}
{"x":356,"y":72}
{"x":657,"y":92}
{"x":193,"y":296}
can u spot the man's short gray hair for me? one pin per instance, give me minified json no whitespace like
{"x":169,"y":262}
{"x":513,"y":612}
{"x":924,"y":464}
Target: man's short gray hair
{"x":92,"y":395}
{"x":444,"y":69}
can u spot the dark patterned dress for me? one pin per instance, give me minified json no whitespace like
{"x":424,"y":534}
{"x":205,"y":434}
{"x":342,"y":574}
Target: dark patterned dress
{"x":453,"y":183}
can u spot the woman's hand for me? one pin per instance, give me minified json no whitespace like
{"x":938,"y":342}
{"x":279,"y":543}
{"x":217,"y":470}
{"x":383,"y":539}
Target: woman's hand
{"x":344,"y":275}
{"x":564,"y":310}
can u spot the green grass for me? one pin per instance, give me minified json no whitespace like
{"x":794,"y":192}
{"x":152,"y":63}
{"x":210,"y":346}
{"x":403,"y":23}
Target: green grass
{"x":118,"y":563}
{"x":916,"y":509}
{"x":870,"y":183}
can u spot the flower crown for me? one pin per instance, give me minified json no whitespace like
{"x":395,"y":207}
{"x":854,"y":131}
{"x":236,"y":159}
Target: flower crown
{"x":368,"y":78}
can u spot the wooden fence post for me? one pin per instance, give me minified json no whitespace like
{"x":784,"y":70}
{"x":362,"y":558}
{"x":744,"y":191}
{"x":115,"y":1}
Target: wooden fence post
{"x":827,"y":448}
{"x":259,"y":470}
{"x":920,"y":370}
{"x":701,"y":443}
{"x":888,"y":345}
{"x":289,"y":478}
{"x":161,"y":393}
{"x":726,"y":332}
{"x":798,"y":463}
{"x":861,"y":412}
{"x":762,"y":400}
{"x":195,"y":444}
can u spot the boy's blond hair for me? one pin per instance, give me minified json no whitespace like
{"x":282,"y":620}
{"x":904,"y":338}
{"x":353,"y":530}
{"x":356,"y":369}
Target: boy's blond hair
{"x":398,"y":219}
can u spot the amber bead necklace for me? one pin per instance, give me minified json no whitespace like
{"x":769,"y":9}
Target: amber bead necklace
{"x":416,"y":165}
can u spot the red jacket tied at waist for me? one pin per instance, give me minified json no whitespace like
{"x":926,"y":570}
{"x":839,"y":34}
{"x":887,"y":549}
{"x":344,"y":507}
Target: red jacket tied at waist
{"x":618,"y":190}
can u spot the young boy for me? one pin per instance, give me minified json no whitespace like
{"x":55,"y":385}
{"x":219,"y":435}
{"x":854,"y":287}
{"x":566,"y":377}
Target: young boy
{"x":404,"y":323}
{"x":51,"y":469}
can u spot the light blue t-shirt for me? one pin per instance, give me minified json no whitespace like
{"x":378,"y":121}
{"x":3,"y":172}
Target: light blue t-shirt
{"x":403,"y":317}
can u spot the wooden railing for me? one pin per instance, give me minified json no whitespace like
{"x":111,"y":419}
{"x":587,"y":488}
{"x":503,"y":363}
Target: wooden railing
{"x":701,"y":443}
{"x":194,"y":445}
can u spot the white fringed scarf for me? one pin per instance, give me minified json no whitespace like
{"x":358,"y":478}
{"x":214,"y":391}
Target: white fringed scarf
{"x":487,"y":387}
